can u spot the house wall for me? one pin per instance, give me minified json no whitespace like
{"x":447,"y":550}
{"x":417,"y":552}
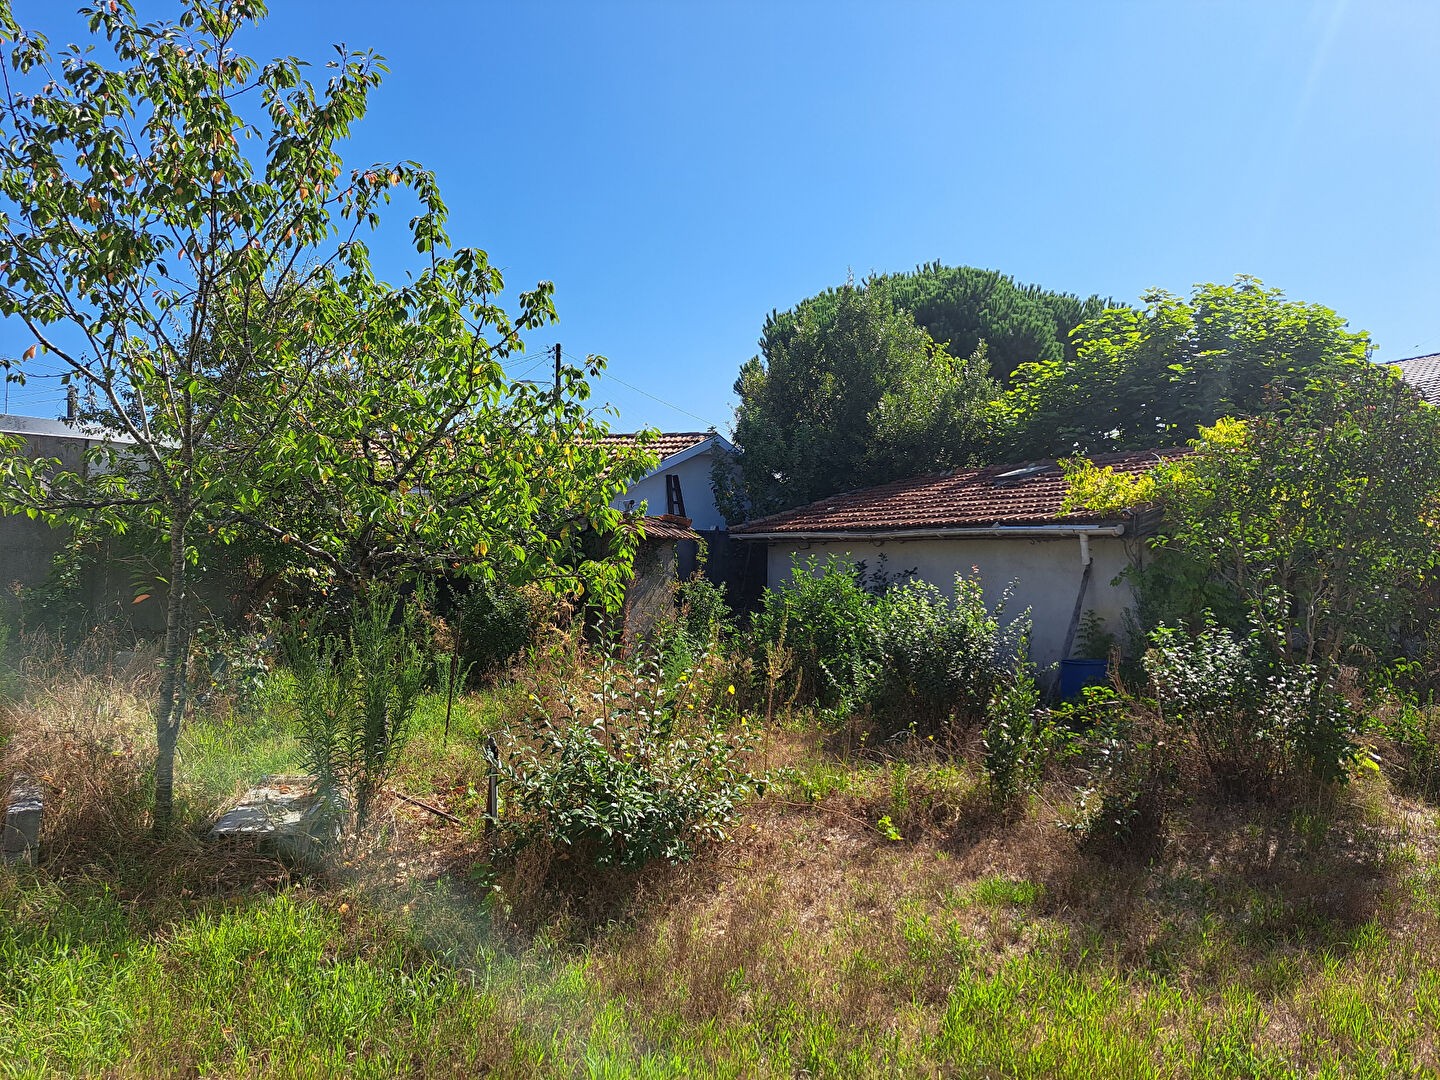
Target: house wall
{"x":695,"y":486}
{"x":1046,"y":574}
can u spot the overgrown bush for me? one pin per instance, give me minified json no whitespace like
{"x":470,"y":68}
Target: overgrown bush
{"x":1254,"y":722}
{"x":497,"y":622}
{"x":1414,"y":731}
{"x":821,"y":619}
{"x":1130,"y":775}
{"x":626,"y":767}
{"x":702,"y":612}
{"x":903,"y":651}
{"x":233,"y":664}
{"x":1016,"y":739}
{"x":355,"y":697}
{"x":944,"y":658}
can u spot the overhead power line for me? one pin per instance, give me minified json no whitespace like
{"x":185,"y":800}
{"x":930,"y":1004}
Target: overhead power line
{"x":652,"y":397}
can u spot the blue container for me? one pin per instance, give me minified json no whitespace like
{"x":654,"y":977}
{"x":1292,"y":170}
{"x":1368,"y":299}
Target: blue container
{"x":1075,"y":675}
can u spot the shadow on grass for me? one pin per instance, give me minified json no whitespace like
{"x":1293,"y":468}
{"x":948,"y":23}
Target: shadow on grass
{"x":1235,"y":891}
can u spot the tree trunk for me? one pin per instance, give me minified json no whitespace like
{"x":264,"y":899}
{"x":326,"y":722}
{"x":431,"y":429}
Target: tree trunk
{"x":169,"y":708}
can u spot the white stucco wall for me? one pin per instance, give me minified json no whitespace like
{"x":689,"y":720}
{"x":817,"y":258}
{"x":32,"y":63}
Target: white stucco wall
{"x":1046,"y":574}
{"x":695,"y":485}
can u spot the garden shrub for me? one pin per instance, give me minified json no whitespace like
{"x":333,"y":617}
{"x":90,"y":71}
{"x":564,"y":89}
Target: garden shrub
{"x":1130,"y":779}
{"x":1016,"y":739}
{"x":230,"y":664}
{"x":355,"y":697}
{"x":1253,"y":721}
{"x":943,"y":658}
{"x":497,"y":622}
{"x":907,"y":654}
{"x":626,"y":766}
{"x":703,"y":613}
{"x":822,"y":618}
{"x":1414,"y":730}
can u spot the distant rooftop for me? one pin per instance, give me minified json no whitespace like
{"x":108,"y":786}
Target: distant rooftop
{"x":667,"y":445}
{"x":1423,"y":373}
{"x":1025,"y":494}
{"x":10,"y":424}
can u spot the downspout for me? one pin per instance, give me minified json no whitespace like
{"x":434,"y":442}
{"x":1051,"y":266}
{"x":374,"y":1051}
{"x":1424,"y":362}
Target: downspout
{"x":1088,"y":562}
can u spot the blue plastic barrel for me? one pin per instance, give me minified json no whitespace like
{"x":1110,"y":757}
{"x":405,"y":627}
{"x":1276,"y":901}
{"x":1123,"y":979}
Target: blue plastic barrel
{"x":1075,"y":675}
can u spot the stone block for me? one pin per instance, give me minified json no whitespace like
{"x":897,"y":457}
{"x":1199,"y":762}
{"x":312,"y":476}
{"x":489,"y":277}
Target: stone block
{"x":23,"y":812}
{"x":286,"y":816}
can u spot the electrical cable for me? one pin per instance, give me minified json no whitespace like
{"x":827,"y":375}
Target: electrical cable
{"x":668,"y":404}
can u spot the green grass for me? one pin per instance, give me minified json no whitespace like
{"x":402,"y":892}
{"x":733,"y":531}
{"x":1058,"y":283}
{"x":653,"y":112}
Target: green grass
{"x":1281,"y":942}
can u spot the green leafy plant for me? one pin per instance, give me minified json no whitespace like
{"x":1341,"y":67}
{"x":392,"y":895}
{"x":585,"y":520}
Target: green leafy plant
{"x":1253,"y":722}
{"x":496,"y":622}
{"x":942,"y":658}
{"x":821,"y":619}
{"x":1015,"y":740}
{"x":1130,"y":775}
{"x":627,"y":767}
{"x":355,"y":698}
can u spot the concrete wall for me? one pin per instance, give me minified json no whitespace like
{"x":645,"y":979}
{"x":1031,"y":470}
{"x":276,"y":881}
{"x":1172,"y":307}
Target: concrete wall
{"x":650,"y":596}
{"x":28,"y":548}
{"x":695,"y":486}
{"x":1046,"y":574}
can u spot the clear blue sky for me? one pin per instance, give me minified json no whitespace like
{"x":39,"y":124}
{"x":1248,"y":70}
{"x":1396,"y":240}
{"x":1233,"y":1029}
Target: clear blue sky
{"x":679,"y":169}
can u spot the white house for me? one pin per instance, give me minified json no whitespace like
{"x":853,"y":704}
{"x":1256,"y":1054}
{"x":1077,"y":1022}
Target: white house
{"x":1002,"y":523}
{"x":680,"y":486}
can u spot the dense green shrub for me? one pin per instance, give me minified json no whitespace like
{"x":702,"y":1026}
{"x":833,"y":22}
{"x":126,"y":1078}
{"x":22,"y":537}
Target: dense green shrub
{"x":943,"y":658}
{"x":1129,"y":778}
{"x":903,"y":650}
{"x":355,"y":697}
{"x":1414,"y":730}
{"x":233,"y":664}
{"x":702,"y":612}
{"x":496,"y":623}
{"x":628,"y":766}
{"x":1253,"y":721}
{"x":1016,"y":739}
{"x":822,"y":617}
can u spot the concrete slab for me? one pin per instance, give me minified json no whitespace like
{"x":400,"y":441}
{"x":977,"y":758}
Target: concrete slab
{"x":284,"y":815}
{"x":23,"y":812}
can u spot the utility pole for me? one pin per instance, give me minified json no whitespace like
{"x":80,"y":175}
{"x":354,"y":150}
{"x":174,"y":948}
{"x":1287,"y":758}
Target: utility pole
{"x":556,"y":403}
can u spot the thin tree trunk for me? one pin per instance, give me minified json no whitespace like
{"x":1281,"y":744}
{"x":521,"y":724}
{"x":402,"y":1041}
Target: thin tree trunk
{"x":170,"y":706}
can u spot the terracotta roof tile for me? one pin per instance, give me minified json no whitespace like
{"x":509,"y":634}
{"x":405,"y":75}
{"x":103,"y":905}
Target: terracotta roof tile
{"x":667,"y":445}
{"x":668,"y":527}
{"x":1423,"y":373}
{"x":1026,"y":494}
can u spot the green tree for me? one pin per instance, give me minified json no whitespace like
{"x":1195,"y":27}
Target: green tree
{"x":964,"y":308}
{"x":178,"y":230}
{"x":848,"y":392}
{"x":1323,"y":518}
{"x":1148,"y":378}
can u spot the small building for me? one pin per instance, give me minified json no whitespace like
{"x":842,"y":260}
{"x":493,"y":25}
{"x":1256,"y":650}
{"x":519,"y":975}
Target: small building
{"x":1002,"y":523}
{"x":660,"y":563}
{"x":28,"y":548}
{"x":680,"y":486}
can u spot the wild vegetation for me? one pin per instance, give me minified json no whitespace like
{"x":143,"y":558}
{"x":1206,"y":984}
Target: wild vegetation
{"x":848,"y":833}
{"x":1129,"y":884}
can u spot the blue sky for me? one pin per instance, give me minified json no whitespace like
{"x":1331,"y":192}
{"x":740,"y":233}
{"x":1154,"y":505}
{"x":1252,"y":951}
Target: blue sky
{"x":679,"y":169}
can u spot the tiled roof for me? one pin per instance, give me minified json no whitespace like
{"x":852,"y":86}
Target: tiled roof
{"x":1423,"y":373}
{"x":668,"y":527}
{"x":1013,"y":495}
{"x":667,"y":445}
